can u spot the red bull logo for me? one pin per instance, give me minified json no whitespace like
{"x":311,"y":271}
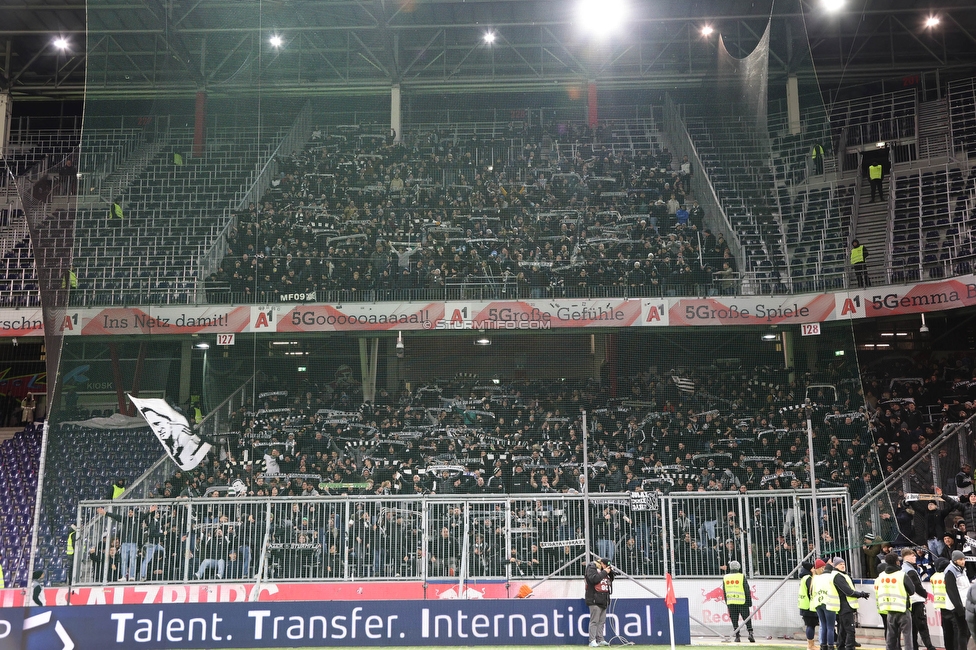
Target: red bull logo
{"x":716,"y":595}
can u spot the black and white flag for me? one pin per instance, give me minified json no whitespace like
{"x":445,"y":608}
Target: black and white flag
{"x":186,"y":448}
{"x":684,"y":384}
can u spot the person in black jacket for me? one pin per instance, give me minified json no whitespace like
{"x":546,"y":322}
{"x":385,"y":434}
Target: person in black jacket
{"x":599,"y":585}
{"x":920,"y":627}
{"x":845,"y":617}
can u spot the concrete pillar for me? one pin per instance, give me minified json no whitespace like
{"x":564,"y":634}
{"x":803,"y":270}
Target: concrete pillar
{"x":598,"y":352}
{"x":592,"y":113}
{"x":186,"y":368}
{"x":5,"y":109}
{"x":367,"y":364}
{"x":396,"y":124}
{"x":793,"y":104}
{"x":788,"y":341}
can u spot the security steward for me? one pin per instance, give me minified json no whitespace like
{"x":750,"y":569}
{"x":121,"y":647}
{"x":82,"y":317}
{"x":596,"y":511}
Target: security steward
{"x":957,"y":587}
{"x":942,"y":603}
{"x":893,"y":600}
{"x":817,"y":154}
{"x":806,"y":601}
{"x":828,"y":606}
{"x":848,"y":597}
{"x":738,"y":598}
{"x":117,"y":489}
{"x":876,"y":176}
{"x":859,"y":264}
{"x":69,"y":550}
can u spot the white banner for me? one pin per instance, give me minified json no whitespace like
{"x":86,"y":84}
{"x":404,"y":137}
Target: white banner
{"x":185,"y":447}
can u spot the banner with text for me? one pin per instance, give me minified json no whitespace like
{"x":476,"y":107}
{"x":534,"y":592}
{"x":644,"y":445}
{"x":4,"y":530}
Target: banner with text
{"x":556,"y":313}
{"x":340,"y":623}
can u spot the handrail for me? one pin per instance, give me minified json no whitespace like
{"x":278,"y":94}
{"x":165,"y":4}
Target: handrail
{"x":674,"y":125}
{"x":891,"y":480}
{"x":299,"y":132}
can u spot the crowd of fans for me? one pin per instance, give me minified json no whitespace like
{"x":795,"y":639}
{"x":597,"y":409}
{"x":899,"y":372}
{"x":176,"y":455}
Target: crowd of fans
{"x":523,"y":442}
{"x":362,"y":215}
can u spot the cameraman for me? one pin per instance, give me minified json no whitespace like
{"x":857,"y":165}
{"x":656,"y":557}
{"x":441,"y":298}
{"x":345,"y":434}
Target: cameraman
{"x":599,"y":585}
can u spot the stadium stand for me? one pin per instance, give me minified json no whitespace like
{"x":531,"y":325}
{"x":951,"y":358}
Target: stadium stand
{"x":738,"y":165}
{"x":962,"y":114}
{"x":85,"y":460}
{"x":172,"y":207}
{"x":817,"y":220}
{"x":877,"y":118}
{"x":931,"y":234}
{"x":351,"y":212}
{"x":19,"y":458}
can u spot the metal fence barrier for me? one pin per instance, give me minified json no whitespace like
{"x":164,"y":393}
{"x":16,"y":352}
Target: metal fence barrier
{"x":451,"y":537}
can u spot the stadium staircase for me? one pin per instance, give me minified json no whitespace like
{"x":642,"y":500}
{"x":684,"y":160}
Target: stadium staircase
{"x":872,"y":229}
{"x":120,"y":178}
{"x":933,"y":140}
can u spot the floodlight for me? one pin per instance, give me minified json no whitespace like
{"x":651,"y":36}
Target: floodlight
{"x":602,"y":17}
{"x":769,"y":337}
{"x":707,"y":30}
{"x":489,"y":37}
{"x":202,"y":346}
{"x":275,"y":41}
{"x":833,"y":6}
{"x":483,"y":340}
{"x":932,"y":21}
{"x":61,"y":43}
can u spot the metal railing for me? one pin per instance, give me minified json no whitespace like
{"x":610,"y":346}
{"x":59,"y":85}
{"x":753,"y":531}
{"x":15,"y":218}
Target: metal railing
{"x":453,"y":537}
{"x":933,"y":467}
{"x":296,"y":136}
{"x":701,"y":185}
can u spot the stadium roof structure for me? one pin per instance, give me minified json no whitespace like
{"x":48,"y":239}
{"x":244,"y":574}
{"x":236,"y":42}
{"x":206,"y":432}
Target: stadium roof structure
{"x":160,"y":48}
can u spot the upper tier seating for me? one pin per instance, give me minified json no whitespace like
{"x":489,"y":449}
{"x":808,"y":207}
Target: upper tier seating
{"x":931,"y":234}
{"x":962,"y":115}
{"x":357,"y":219}
{"x":817,"y":221}
{"x":878,"y":118}
{"x":172,"y":214}
{"x":737,"y":160}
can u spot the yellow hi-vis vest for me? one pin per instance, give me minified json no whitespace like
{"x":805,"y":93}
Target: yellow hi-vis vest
{"x":117,"y":211}
{"x":735,"y":589}
{"x":939,"y":591}
{"x":817,"y":152}
{"x":117,"y":491}
{"x":70,"y":546}
{"x":2,"y":584}
{"x":804,"y":599}
{"x":874,"y":172}
{"x":825,"y":592}
{"x":857,"y":254}
{"x":892,"y":596}
{"x":851,"y":600}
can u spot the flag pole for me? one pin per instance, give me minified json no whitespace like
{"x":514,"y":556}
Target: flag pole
{"x":671,"y":626}
{"x":669,"y":601}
